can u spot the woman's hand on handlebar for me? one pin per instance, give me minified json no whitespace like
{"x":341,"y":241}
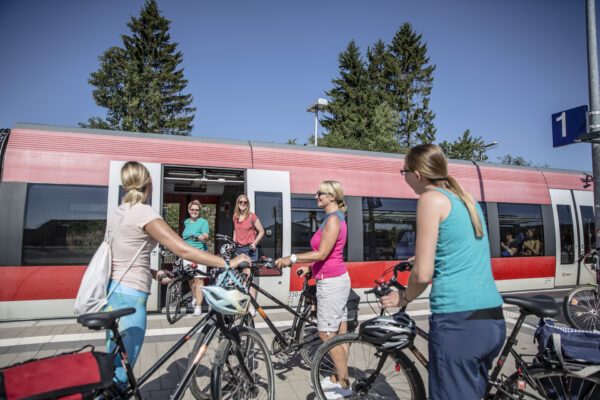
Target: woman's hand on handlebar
{"x":394,"y":299}
{"x":163,"y":276}
{"x":242,"y":258}
{"x":283,"y":262}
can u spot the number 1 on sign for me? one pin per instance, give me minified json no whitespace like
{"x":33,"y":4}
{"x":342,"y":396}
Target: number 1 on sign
{"x":563,"y":124}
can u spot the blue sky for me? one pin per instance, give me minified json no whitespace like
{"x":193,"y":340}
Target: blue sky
{"x":503,"y":67}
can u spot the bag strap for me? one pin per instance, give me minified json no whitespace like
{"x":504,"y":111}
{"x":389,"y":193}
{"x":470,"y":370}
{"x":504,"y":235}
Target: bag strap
{"x":127,"y":270}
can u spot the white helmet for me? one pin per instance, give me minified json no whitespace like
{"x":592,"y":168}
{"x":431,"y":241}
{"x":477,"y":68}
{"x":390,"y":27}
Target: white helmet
{"x":228,"y":302}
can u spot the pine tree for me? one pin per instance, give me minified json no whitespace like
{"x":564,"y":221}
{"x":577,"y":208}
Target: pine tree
{"x":410,"y":80}
{"x":466,"y":147}
{"x":346,"y":122}
{"x":139,"y":84}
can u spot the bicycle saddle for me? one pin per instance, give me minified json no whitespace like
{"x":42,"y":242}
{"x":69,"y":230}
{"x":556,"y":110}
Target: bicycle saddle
{"x":540,"y":305}
{"x":103,"y":320}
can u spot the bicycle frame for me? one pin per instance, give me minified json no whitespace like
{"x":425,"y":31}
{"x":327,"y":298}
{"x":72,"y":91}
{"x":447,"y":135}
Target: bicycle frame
{"x":297,"y":315}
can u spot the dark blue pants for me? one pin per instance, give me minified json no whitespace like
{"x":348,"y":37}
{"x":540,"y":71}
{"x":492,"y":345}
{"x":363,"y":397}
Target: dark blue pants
{"x":462,"y":348}
{"x":253,"y":254}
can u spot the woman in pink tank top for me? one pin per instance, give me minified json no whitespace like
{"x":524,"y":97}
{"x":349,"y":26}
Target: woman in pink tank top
{"x":333,"y":281}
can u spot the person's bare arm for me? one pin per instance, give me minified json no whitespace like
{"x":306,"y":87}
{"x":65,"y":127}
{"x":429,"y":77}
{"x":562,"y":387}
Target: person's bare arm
{"x":260,"y":232}
{"x":160,"y":231}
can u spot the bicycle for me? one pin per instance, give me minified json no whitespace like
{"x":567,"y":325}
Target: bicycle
{"x":377,"y":372}
{"x":302,"y":336}
{"x":179,"y":296}
{"x":581,"y":305}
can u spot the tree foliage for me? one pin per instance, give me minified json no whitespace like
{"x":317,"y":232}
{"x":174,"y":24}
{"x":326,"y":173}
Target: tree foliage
{"x":140,"y":84}
{"x":465,"y":147}
{"x":509,"y":159}
{"x":381,"y":104}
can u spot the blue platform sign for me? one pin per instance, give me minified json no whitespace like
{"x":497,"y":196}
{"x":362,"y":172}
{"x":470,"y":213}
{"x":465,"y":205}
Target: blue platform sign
{"x":568,"y":125}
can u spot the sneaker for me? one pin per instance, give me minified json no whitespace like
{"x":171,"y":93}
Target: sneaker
{"x":337,"y":392}
{"x":193,"y":303}
{"x":197,"y":311}
{"x":326,"y":384}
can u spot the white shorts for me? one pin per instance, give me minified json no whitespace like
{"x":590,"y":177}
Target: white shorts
{"x":200,"y":267}
{"x":332,"y":296}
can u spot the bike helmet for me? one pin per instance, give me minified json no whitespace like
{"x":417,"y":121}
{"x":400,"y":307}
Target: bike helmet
{"x":393,"y":332}
{"x":227,"y":302}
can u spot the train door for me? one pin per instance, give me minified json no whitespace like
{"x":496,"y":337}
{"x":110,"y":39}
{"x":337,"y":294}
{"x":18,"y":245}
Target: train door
{"x":584,"y":210}
{"x":116,"y":193}
{"x":567,"y":239}
{"x":269,"y":194}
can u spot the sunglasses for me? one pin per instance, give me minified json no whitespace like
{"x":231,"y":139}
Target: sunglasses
{"x":194,"y":210}
{"x":242,"y":202}
{"x":319,"y":193}
{"x":403,"y":172}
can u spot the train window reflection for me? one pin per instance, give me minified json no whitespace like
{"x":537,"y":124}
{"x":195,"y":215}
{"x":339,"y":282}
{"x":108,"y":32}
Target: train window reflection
{"x":567,"y":240}
{"x":587,"y":223}
{"x":521,"y":230}
{"x":306,"y":218}
{"x":389,"y":228}
{"x":64,"y":224}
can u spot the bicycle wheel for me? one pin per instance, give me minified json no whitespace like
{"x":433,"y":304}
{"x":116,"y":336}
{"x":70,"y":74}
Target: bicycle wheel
{"x":228,"y":378}
{"x":581,"y":307}
{"x":397,"y":378}
{"x":552,"y":385}
{"x":174,"y":301}
{"x":200,"y":382}
{"x":310,"y":336}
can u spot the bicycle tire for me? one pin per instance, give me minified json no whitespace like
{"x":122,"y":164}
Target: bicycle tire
{"x":364,"y":356}
{"x":554,"y":384}
{"x":229,"y":381}
{"x":200,"y":383}
{"x":581,"y":307}
{"x":174,"y":301}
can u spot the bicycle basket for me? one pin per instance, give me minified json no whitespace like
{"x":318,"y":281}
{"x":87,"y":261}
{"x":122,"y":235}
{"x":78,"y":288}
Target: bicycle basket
{"x":66,"y":374}
{"x":574,"y":344}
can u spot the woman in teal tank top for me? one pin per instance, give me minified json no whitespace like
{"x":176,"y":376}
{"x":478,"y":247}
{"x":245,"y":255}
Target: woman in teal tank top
{"x":467,"y":327}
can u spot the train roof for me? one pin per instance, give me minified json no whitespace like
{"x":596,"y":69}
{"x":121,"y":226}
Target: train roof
{"x":252,"y":143}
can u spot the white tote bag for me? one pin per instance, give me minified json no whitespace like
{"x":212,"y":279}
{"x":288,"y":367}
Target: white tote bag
{"x":92,"y":296}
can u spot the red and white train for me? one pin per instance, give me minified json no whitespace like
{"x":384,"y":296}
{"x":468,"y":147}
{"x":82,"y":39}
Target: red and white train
{"x":59,"y":184}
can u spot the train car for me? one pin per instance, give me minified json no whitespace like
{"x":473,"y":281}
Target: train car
{"x":59,"y":184}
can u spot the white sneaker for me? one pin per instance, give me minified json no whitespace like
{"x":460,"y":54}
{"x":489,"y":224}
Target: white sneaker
{"x":197,"y":311}
{"x":338,"y":392}
{"x":193,"y":303}
{"x":327,"y":384}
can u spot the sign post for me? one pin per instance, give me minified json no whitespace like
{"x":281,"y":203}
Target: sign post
{"x":568,"y":126}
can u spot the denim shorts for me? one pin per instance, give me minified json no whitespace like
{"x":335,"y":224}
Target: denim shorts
{"x":252,"y":253}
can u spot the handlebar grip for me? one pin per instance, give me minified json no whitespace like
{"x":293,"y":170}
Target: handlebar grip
{"x":299,"y":272}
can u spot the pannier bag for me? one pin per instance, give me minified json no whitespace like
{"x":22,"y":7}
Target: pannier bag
{"x":352,"y":306}
{"x":570,"y":344}
{"x":71,"y":375}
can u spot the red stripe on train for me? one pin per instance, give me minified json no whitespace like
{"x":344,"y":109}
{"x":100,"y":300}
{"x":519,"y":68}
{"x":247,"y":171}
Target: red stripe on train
{"x":62,"y":282}
{"x":363,"y":274}
{"x":40,"y":283}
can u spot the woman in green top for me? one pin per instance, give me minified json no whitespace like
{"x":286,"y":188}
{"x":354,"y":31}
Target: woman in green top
{"x":466,"y":327}
{"x":195,"y":234}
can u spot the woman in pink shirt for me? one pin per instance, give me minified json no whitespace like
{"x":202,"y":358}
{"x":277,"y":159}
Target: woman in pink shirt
{"x":333,"y":281}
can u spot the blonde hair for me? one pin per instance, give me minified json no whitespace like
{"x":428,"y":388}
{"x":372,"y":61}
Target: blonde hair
{"x":334,"y":188}
{"x":429,"y":160}
{"x":237,"y":213}
{"x":195,"y":203}
{"x":135,"y":179}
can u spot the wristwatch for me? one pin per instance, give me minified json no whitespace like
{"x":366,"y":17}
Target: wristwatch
{"x":293,"y":258}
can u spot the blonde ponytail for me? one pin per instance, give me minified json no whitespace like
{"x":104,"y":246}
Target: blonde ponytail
{"x":455,"y":187}
{"x":135,"y":179}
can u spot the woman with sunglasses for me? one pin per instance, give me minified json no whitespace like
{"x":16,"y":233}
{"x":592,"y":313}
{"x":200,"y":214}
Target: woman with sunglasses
{"x":333,"y":281}
{"x":247,"y":229}
{"x":195,"y":234}
{"x":466,"y":326}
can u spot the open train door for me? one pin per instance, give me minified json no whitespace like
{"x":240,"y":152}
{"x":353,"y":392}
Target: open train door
{"x":116,"y":193}
{"x":584,"y":209}
{"x":269,"y":194}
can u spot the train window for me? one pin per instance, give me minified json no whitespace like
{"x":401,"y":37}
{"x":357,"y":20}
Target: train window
{"x":64,"y":224}
{"x":389,"y":228}
{"x":567,"y":240}
{"x":269,"y":209}
{"x":306,"y":218}
{"x":587,"y":222}
{"x":521,"y":230}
